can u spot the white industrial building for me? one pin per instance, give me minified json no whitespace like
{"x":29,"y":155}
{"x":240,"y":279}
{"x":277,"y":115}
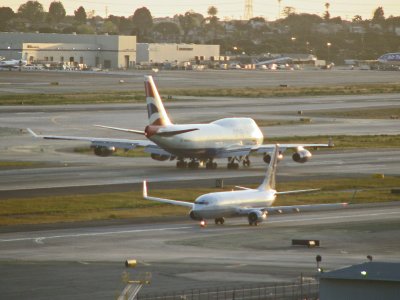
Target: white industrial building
{"x":175,"y":53}
{"x":105,"y":51}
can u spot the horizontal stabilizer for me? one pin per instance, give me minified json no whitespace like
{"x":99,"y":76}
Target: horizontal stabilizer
{"x":174,"y":132}
{"x":122,"y":129}
{"x":297,"y":191}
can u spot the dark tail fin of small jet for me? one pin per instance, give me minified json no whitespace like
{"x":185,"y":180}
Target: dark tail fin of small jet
{"x":155,"y":108}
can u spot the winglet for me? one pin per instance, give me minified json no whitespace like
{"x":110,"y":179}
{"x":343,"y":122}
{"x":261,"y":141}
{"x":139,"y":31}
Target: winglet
{"x":144,"y":189}
{"x":32,"y":132}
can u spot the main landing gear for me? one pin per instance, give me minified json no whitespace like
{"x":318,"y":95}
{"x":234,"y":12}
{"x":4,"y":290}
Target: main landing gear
{"x":219,"y":221}
{"x":233,"y":162}
{"x":182,"y":164}
{"x":194,"y":164}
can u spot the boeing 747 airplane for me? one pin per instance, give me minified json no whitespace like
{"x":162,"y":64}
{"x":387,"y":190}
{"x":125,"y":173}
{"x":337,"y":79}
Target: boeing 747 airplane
{"x":254,"y":204}
{"x":232,"y":138}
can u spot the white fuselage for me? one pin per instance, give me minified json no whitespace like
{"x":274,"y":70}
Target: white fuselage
{"x":208,"y":139}
{"x":230,"y":204}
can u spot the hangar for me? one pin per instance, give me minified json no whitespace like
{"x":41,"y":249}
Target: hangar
{"x":371,"y":280}
{"x":105,"y":51}
{"x":175,"y":53}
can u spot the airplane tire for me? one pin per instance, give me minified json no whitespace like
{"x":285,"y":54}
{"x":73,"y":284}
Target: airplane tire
{"x":219,"y":221}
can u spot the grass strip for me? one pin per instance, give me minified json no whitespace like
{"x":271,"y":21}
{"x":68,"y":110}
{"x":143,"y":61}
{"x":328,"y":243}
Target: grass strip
{"x":250,"y":92}
{"x":108,"y":206}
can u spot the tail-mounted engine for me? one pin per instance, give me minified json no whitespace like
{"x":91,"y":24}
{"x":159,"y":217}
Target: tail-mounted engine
{"x":301,"y":155}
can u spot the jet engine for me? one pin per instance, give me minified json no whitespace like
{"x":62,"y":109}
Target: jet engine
{"x":267,"y":157}
{"x":160,"y":157}
{"x":302,"y":155}
{"x":256,"y":216}
{"x":103,"y":151}
{"x":194,"y":216}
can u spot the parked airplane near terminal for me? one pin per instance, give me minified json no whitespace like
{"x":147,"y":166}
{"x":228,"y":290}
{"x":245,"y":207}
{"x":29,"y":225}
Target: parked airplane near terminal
{"x":12,"y":64}
{"x":390,"y":58}
{"x":255,"y":204}
{"x":231,"y":138}
{"x":278,"y":60}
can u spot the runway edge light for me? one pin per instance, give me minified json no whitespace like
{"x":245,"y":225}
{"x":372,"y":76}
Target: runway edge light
{"x":130,"y":263}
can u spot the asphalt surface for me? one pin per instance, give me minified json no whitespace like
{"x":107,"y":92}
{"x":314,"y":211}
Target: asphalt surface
{"x":40,"y":81}
{"x":85,"y":260}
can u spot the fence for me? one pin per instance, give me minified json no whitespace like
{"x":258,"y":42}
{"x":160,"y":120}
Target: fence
{"x":306,"y":290}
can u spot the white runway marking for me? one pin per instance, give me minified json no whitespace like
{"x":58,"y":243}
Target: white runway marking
{"x":40,"y":239}
{"x":337,"y":217}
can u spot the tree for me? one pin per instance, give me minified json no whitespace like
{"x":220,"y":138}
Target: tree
{"x":109,"y":27}
{"x":212,"y":11}
{"x":327,"y":15}
{"x":379,"y":15}
{"x":143,"y":21}
{"x":32,"y":10}
{"x":168,"y":30}
{"x":56,"y":11}
{"x":6,"y":14}
{"x":80,"y":15}
{"x":187,"y":23}
{"x":288,"y":10}
{"x":357,"y":19}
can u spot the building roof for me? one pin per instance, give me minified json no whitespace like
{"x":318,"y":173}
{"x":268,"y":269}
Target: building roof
{"x":382,"y":271}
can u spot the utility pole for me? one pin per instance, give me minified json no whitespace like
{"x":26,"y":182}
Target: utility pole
{"x":248,"y":9}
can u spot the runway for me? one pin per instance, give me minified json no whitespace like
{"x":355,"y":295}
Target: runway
{"x":75,"y":82}
{"x":62,"y":168}
{"x":181,"y":255}
{"x":85,"y":260}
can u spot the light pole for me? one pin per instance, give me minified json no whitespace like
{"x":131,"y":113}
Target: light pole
{"x":328,"y":44}
{"x":293,"y":41}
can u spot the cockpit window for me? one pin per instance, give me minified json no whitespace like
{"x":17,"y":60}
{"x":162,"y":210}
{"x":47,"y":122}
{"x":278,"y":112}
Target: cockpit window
{"x":202,"y":202}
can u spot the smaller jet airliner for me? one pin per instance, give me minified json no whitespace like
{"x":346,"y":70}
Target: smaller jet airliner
{"x":254,"y":204}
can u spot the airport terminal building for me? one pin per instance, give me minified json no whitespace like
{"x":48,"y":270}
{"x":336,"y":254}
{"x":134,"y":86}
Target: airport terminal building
{"x":175,"y":53}
{"x":105,"y":51}
{"x":101,"y":51}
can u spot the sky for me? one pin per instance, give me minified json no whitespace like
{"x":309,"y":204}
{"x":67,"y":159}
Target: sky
{"x":233,"y":9}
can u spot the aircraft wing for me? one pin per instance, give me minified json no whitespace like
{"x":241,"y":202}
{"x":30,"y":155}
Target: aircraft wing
{"x":244,"y":150}
{"x":304,"y":208}
{"x":292,"y":208}
{"x":268,"y":148}
{"x":162,"y":200}
{"x":100,"y":142}
{"x":235,"y":150}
